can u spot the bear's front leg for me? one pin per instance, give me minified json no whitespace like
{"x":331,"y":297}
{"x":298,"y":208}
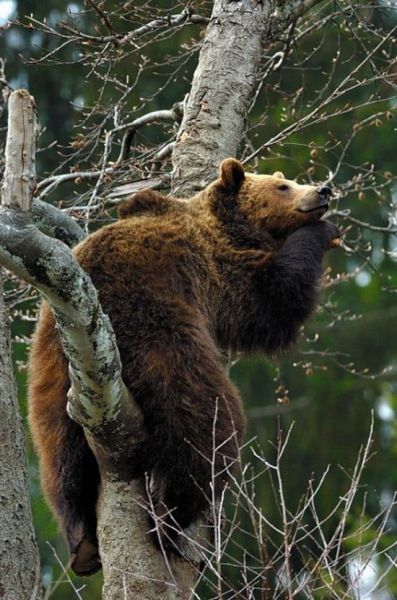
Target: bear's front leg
{"x":288,"y":285}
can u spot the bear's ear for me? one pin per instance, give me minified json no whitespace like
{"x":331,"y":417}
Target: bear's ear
{"x":232,"y":174}
{"x":279,"y":174}
{"x":145,"y":201}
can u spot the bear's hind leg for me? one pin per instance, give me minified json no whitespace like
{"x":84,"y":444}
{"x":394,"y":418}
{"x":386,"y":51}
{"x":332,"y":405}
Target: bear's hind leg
{"x":195,"y":422}
{"x":80,"y":482}
{"x":70,"y":478}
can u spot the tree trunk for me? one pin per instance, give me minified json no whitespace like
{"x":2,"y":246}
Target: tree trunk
{"x":216,"y":110}
{"x":133,"y":568}
{"x":20,"y":573}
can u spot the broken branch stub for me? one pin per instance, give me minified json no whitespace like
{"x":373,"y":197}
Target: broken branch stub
{"x":20,"y":173}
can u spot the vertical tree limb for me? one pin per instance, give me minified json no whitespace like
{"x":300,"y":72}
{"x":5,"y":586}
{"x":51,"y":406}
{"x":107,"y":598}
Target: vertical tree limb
{"x":134,"y":570}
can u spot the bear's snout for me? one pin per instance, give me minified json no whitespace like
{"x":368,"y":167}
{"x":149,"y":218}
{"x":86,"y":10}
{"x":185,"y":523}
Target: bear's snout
{"x":315,"y":200}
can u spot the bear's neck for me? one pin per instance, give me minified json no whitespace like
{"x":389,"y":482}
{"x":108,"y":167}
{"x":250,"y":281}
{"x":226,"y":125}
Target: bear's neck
{"x":228,"y":222}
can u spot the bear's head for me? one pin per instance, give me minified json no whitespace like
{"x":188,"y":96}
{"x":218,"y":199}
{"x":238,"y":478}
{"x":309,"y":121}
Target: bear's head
{"x":267,"y":203}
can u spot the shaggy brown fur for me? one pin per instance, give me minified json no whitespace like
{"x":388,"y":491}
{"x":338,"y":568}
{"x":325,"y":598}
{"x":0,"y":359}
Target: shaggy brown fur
{"x":236,"y":267}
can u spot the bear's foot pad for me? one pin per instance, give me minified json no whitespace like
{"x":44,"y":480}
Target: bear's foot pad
{"x":85,"y":560}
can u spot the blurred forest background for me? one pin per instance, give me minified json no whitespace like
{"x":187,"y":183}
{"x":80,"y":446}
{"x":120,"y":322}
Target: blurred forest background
{"x":344,"y":368}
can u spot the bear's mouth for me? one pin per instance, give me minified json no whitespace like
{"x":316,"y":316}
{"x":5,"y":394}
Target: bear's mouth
{"x":306,"y":209}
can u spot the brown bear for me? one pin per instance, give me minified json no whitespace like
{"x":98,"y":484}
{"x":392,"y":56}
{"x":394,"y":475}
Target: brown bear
{"x":237,"y":267}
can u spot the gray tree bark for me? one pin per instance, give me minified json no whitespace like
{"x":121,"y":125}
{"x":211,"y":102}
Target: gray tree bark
{"x":215,"y":113}
{"x":133,"y":568}
{"x":20,"y":573}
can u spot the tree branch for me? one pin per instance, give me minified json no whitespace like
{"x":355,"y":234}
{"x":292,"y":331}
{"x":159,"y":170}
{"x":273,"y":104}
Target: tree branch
{"x":286,"y":12}
{"x":129,"y":130}
{"x":55,"y":223}
{"x":126,"y":189}
{"x":185,"y":17}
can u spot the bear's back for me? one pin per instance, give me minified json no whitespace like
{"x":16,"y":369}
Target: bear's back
{"x":144,"y":249}
{"x":142,"y":264}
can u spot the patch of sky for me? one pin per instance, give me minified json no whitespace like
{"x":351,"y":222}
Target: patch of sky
{"x":7,"y":8}
{"x":363,"y":278}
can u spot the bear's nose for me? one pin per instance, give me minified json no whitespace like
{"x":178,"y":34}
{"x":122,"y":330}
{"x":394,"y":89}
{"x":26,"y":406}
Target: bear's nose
{"x":324,"y":192}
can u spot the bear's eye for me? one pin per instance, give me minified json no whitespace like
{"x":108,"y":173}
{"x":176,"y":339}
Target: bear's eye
{"x":283,"y":187}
